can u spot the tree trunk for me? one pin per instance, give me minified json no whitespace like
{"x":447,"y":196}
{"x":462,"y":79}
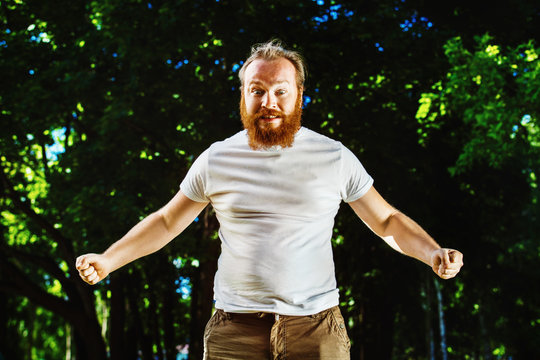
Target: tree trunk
{"x":86,"y":330}
{"x":203,"y":285}
{"x":168,"y":327}
{"x":89,"y":344}
{"x":430,"y":340}
{"x":442,"y":325}
{"x":142,"y":342}
{"x":361,"y":325}
{"x":155,"y":335}
{"x":201,"y":304}
{"x":31,"y":330}
{"x":79,"y":309}
{"x":10,"y":340}
{"x":483,"y":335}
{"x":68,"y":342}
{"x":118,"y":317}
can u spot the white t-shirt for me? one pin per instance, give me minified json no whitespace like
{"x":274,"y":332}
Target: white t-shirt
{"x":276,"y":212}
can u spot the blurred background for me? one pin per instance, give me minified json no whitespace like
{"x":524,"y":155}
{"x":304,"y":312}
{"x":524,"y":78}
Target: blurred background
{"x":105,"y":104}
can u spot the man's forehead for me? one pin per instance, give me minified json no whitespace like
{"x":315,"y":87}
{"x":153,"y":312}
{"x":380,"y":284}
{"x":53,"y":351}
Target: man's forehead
{"x":276,"y":71}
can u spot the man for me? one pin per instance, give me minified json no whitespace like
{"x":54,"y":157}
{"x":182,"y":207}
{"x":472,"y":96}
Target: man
{"x":276,"y":188}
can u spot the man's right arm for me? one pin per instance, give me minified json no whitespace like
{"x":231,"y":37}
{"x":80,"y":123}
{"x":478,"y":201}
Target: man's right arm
{"x":148,"y":236}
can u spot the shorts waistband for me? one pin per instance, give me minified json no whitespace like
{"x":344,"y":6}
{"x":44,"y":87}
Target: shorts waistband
{"x":270,"y":315}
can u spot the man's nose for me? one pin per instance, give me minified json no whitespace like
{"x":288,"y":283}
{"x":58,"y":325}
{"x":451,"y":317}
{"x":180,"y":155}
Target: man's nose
{"x":269,"y":101}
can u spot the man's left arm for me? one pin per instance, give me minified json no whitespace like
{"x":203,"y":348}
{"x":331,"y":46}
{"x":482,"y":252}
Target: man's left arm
{"x":405,"y":235}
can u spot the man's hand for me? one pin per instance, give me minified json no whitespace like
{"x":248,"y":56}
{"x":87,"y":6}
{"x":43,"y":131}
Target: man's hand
{"x":446,"y":262}
{"x":92,"y":268}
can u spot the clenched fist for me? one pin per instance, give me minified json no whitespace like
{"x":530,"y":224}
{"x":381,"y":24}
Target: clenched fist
{"x":446,"y":262}
{"x":92,"y":267}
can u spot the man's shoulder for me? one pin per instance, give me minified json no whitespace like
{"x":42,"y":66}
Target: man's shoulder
{"x":305,"y":137}
{"x":314,"y":138}
{"x":237,"y":141}
{"x":239,"y":138}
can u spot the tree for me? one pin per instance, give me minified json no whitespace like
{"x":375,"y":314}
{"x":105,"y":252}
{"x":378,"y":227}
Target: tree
{"x":108,"y":103}
{"x":487,"y":106}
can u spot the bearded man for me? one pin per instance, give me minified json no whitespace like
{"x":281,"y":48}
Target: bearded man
{"x":276,"y":188}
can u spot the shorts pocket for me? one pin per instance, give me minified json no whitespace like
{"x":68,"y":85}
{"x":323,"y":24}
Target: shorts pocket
{"x":212,"y":323}
{"x":338,"y":327}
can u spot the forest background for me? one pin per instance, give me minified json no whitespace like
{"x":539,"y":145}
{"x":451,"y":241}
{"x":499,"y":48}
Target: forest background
{"x":105,"y":104}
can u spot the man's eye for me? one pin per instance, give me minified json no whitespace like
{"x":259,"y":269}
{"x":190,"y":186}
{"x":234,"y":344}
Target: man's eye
{"x":257,"y":92}
{"x":281,"y":92}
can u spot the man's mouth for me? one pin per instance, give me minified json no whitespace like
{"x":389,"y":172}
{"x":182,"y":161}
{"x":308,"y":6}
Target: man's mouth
{"x":270,"y":117}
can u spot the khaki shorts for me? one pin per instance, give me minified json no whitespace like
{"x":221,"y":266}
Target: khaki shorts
{"x":259,"y":336}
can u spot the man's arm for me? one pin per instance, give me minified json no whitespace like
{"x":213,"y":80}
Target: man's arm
{"x":148,"y":236}
{"x":404,"y":235}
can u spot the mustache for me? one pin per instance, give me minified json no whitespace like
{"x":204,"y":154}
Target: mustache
{"x":268,"y":112}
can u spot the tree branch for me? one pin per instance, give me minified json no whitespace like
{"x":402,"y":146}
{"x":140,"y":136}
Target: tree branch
{"x":151,"y":134}
{"x":64,"y":244}
{"x":16,"y":281}
{"x":46,"y":263}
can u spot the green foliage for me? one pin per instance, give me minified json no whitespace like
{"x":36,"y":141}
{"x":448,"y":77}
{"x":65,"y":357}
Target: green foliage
{"x":493,"y":93}
{"x":131,"y":92}
{"x":487,"y":108}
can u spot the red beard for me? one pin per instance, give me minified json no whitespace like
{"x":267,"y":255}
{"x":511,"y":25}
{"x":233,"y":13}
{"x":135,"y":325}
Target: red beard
{"x":264,"y":137}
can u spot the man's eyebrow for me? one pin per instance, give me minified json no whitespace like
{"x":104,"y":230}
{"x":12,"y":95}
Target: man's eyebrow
{"x":258,"y":82}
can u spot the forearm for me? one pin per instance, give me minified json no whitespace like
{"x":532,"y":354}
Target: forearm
{"x":406,"y":236}
{"x":148,"y":236}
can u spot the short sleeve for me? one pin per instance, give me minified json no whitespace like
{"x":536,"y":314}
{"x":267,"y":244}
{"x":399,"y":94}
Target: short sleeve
{"x":195,"y":183}
{"x":354,"y":179}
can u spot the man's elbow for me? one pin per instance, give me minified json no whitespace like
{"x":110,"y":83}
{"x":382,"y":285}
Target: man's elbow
{"x":392,"y":243}
{"x":165,"y":220}
{"x":387,"y":228}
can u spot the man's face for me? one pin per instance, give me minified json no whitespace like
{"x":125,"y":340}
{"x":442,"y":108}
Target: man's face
{"x":271,"y":104}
